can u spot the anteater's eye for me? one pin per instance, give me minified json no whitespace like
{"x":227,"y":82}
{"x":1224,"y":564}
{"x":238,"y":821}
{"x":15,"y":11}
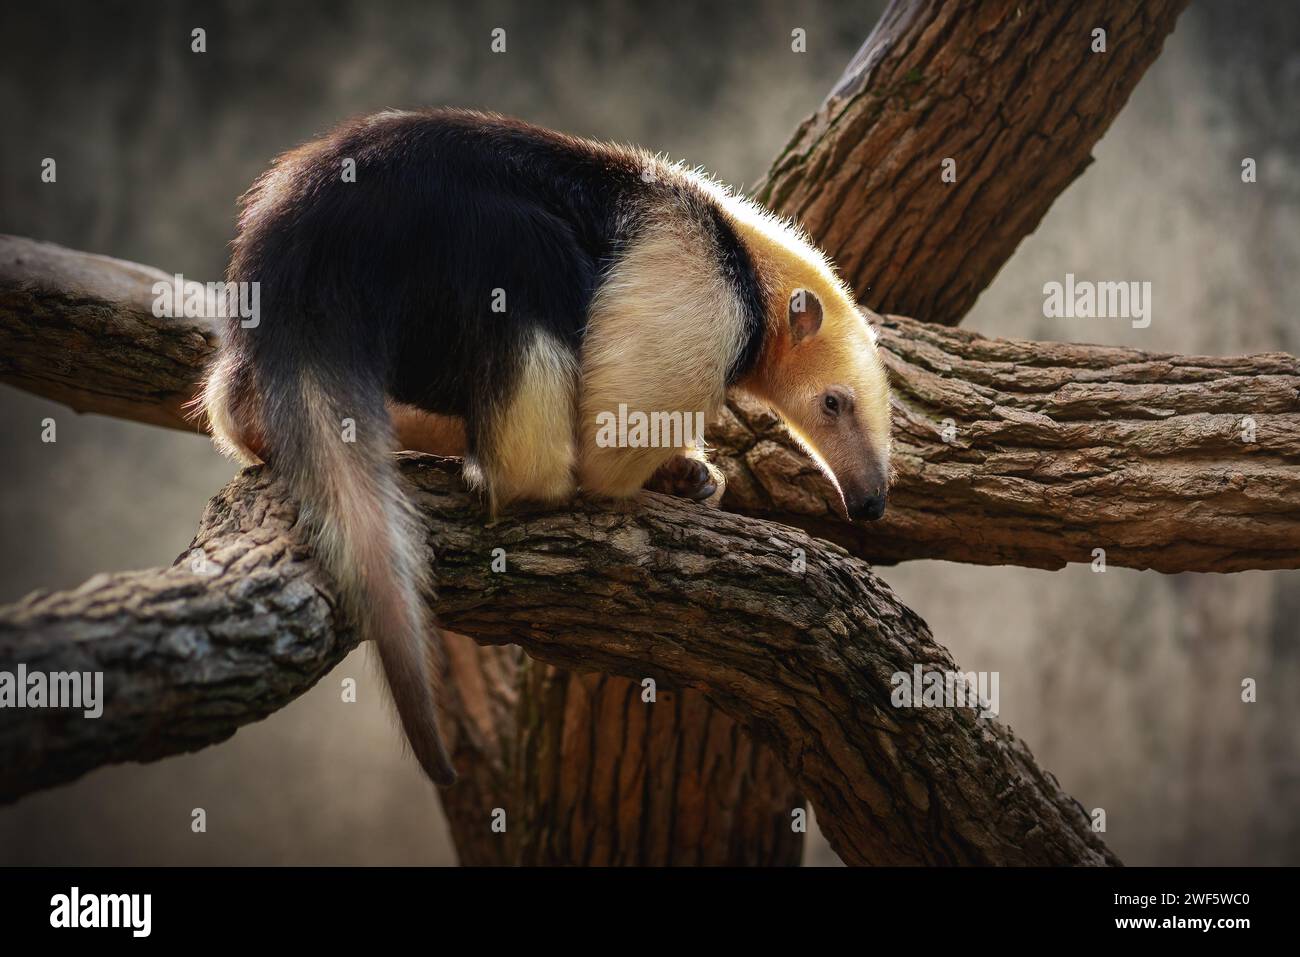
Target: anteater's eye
{"x":831,"y":404}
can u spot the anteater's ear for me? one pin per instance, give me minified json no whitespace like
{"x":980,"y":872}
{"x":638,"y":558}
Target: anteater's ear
{"x":805,"y":314}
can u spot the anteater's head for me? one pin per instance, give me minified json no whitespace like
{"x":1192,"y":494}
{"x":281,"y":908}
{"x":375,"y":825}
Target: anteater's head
{"x":819,"y":366}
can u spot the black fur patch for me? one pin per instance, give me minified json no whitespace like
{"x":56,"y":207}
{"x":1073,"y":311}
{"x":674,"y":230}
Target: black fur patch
{"x":738,"y":266}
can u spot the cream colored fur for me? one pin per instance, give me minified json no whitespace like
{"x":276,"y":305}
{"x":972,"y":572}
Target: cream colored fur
{"x":215,"y":401}
{"x":531,"y":453}
{"x":661,"y":333}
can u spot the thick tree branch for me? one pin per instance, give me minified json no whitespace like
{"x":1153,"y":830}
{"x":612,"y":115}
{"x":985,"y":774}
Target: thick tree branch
{"x":79,"y":329}
{"x":802,"y":659}
{"x":187,"y":657}
{"x":1055,"y":449}
{"x":1010,"y":90}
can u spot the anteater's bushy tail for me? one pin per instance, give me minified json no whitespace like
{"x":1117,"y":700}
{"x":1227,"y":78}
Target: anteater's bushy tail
{"x":331,"y":441}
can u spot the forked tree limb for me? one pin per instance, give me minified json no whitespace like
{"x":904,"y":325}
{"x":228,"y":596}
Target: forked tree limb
{"x":487,"y":717}
{"x":1176,"y":463}
{"x":1010,"y":90}
{"x":802,"y":657}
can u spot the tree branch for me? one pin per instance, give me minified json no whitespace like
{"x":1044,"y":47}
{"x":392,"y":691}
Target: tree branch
{"x":1056,"y":449}
{"x":79,"y":329}
{"x":1010,"y":90}
{"x":187,"y":658}
{"x":693,"y":598}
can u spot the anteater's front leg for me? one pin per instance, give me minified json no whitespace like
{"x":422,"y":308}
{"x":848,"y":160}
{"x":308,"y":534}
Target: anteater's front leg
{"x":689,"y":475}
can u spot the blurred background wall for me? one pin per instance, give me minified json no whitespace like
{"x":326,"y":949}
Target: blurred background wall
{"x":1125,"y":685}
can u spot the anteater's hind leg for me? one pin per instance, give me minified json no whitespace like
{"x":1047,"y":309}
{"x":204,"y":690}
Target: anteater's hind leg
{"x":229,"y":398}
{"x":523,"y":447}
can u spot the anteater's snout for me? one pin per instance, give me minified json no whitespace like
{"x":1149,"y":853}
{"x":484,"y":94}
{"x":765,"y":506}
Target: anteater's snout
{"x":867,"y":508}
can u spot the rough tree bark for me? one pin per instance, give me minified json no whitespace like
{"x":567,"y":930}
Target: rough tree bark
{"x":607,"y":779}
{"x":801,"y":658}
{"x":592,"y":775}
{"x":1011,"y":90}
{"x":79,"y":329}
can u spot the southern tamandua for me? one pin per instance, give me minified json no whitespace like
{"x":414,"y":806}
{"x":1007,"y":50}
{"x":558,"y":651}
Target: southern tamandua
{"x":516,"y":283}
